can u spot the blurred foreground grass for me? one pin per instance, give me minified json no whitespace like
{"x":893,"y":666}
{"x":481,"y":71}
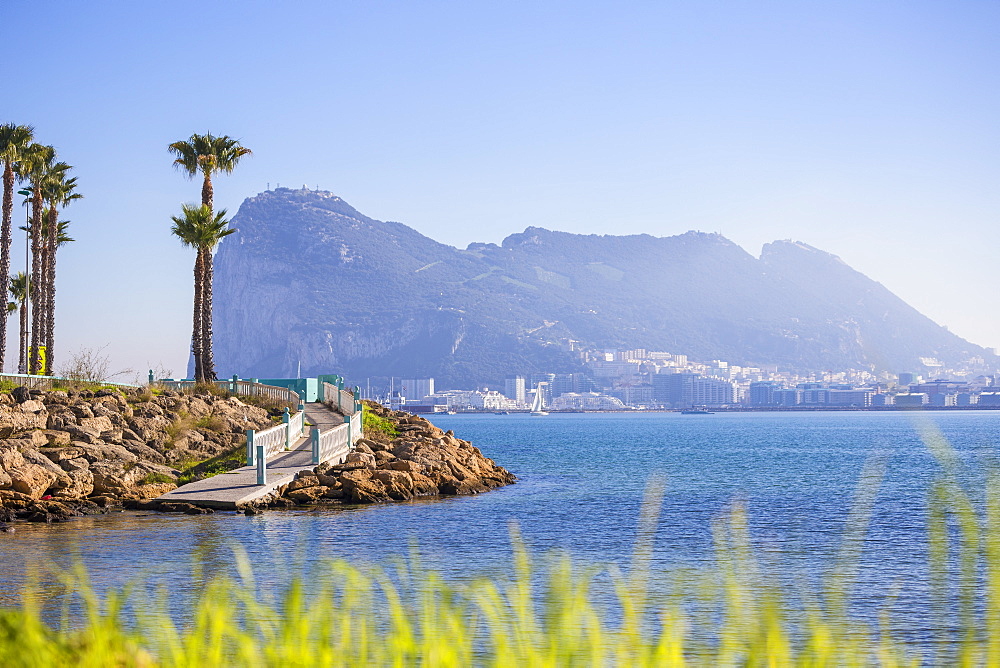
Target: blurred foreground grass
{"x":551,"y":612}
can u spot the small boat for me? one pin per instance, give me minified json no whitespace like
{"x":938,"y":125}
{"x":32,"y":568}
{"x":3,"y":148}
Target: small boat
{"x":452,"y":412}
{"x":501,"y":413}
{"x":696,"y":411}
{"x":536,"y":405}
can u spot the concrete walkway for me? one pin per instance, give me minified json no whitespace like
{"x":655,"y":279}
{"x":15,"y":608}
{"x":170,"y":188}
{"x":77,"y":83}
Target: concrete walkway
{"x":239,"y":486}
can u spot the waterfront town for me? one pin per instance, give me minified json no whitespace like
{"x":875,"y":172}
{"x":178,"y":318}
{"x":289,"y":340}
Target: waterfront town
{"x":652,"y":380}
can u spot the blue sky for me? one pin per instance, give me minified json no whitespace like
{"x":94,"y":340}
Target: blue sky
{"x":869,"y":130}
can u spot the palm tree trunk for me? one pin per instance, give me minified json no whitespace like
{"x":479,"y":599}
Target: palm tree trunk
{"x":197,"y":335}
{"x":36,"y":280}
{"x":206,"y":318}
{"x":50,"y":289}
{"x":207,"y":192}
{"x":22,"y":362}
{"x":5,"y":241}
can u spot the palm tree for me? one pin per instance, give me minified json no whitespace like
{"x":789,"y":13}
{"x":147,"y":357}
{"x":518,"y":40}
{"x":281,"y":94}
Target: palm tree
{"x":36,"y":164}
{"x":14,"y":140}
{"x":19,"y":291}
{"x":59,"y":192}
{"x":207,"y":154}
{"x":201,"y":229}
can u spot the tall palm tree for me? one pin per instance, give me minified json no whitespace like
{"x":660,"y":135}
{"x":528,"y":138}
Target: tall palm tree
{"x":19,"y":291}
{"x":14,"y":140}
{"x":201,"y":229}
{"x":59,"y":192}
{"x":36,"y":164}
{"x":207,"y":154}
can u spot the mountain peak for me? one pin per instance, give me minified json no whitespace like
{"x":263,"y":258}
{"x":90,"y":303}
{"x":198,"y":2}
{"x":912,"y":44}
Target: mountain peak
{"x":338,"y":291}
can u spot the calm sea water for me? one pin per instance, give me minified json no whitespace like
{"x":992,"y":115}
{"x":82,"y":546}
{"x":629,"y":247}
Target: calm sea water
{"x":581,"y":484}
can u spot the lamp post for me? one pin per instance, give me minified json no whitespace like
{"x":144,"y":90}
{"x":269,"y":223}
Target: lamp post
{"x":27,"y":279}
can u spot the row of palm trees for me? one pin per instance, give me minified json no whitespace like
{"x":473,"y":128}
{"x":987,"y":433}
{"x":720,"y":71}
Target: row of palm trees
{"x":202,"y":228}
{"x":48,"y":189}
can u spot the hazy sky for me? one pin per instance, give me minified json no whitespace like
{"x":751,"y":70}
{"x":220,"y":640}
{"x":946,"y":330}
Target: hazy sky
{"x":868,"y":129}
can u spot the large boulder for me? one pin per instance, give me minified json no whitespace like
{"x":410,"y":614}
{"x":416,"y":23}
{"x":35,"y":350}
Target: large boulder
{"x":98,"y":424}
{"x":10,"y":458}
{"x":398,"y":484}
{"x":14,"y":421}
{"x":31,"y":480}
{"x":365,"y":458}
{"x":360,"y":488}
{"x":307,"y":495}
{"x":116,"y":478}
{"x":81,"y":484}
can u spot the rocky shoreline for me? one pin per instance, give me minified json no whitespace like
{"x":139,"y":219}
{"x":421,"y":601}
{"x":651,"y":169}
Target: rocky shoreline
{"x":65,"y":454}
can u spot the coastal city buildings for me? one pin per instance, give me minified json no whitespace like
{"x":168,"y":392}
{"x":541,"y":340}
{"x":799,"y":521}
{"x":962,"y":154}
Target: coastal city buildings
{"x":640,"y":379}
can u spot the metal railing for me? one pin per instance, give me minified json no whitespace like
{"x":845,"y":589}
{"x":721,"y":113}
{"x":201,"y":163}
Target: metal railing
{"x":236,"y":386}
{"x":48,"y":382}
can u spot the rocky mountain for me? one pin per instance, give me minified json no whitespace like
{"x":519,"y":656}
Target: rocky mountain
{"x":309,"y":280}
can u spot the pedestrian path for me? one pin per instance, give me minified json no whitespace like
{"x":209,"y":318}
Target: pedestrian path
{"x":239,"y":487}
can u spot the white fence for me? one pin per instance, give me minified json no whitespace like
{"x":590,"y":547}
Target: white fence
{"x":343,"y":401}
{"x":333,"y":444}
{"x":277,"y":438}
{"x":244,"y":387}
{"x":48,"y":382}
{"x":272,"y":440}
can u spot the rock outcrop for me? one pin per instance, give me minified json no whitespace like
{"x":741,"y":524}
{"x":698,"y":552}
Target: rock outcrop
{"x":62,"y":453}
{"x":67,"y":454}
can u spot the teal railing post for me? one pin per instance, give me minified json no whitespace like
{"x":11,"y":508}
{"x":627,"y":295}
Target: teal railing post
{"x":347,"y":421}
{"x":261,"y":466}
{"x":236,"y":380}
{"x":314,"y":438}
{"x":250,"y":449}
{"x":286,"y":419}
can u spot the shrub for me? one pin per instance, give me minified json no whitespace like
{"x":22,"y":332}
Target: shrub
{"x":374,"y":424}
{"x":153,"y":478}
{"x":212,"y":423}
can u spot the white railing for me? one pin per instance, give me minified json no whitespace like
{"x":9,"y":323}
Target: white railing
{"x":348,"y":403}
{"x":277,"y":438}
{"x":343,"y":401}
{"x":297,"y":426}
{"x":271,"y":440}
{"x":244,"y":387}
{"x":333,"y":444}
{"x":331,"y":395}
{"x":48,"y":382}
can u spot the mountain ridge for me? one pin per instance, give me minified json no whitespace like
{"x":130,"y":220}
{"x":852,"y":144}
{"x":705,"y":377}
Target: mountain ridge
{"x":339,"y":291}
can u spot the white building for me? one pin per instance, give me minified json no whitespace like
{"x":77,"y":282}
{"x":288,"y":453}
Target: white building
{"x":587,"y":401}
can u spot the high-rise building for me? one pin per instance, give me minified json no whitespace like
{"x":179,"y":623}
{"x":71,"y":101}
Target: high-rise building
{"x":682,"y":390}
{"x":762,"y":393}
{"x":415,"y":389}
{"x":514,"y":388}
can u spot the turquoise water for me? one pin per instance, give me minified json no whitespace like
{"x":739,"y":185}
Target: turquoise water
{"x":581,"y":484}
